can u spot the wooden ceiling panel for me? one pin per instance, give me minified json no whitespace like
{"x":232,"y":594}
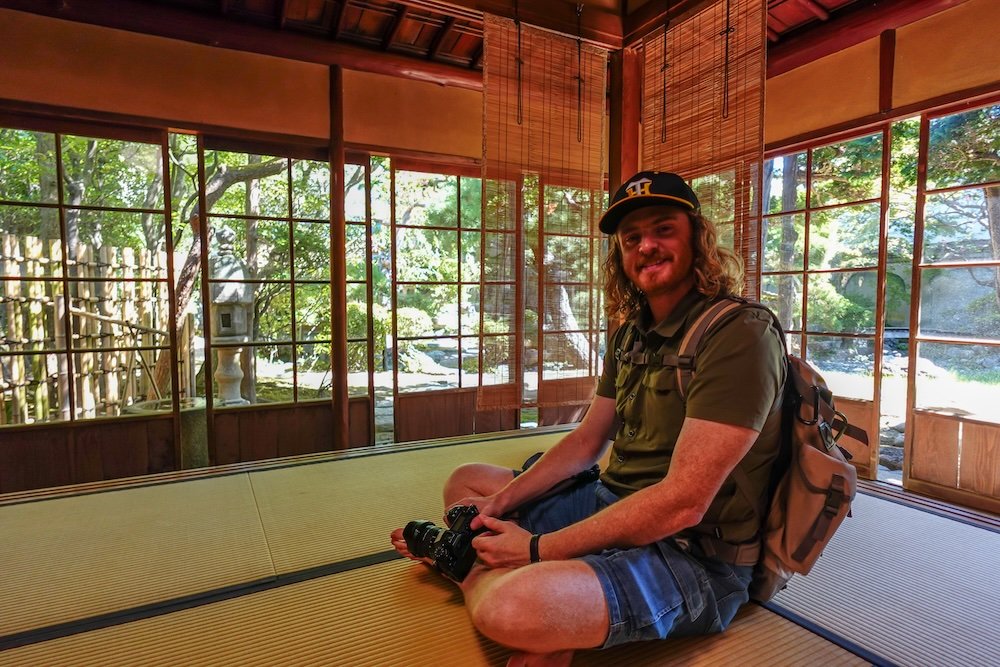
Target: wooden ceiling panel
{"x":458,"y":47}
{"x":368,"y":23}
{"x":417,"y":32}
{"x":450,"y":34}
{"x":785,"y":15}
{"x":305,"y":11}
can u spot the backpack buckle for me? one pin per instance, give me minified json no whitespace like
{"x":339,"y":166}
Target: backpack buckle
{"x":841,"y":419}
{"x":826,"y":435}
{"x":834,"y":496}
{"x":685,"y":362}
{"x":829,"y":434}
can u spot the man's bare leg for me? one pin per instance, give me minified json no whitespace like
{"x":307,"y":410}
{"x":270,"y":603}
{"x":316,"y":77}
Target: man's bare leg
{"x":475,"y":479}
{"x":470,"y":479}
{"x":544,"y":611}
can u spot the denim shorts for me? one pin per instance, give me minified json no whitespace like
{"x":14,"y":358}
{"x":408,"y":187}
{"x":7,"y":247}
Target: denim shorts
{"x":653,"y":592}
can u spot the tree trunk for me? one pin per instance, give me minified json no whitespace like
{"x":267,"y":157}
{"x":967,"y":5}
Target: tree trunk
{"x":251,"y":206}
{"x":765,"y":199}
{"x":153,"y":224}
{"x":215,"y":187}
{"x":48,"y":186}
{"x":75,"y":192}
{"x":559,"y":317}
{"x":185,"y":280}
{"x":786,"y":286}
{"x":993,"y":220}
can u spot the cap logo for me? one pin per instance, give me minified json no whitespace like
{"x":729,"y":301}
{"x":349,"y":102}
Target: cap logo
{"x":638,"y":187}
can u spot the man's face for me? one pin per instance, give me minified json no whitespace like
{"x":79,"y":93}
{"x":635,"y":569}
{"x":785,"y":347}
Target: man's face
{"x":656,"y":247}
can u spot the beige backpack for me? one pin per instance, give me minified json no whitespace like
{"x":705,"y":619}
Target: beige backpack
{"x":813,"y":482}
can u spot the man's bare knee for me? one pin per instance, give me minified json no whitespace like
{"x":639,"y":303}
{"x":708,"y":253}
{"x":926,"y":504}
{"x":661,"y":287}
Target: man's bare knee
{"x":513,"y":612}
{"x":544,"y":608}
{"x":475,"y":479}
{"x":498,"y":614}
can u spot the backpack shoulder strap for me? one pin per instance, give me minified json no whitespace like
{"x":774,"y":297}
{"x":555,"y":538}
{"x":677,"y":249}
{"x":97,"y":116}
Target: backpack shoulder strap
{"x":685,"y":362}
{"x":686,"y":366}
{"x":624,"y":341}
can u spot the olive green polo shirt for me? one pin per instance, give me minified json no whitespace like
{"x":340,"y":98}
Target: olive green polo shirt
{"x":740,"y":372}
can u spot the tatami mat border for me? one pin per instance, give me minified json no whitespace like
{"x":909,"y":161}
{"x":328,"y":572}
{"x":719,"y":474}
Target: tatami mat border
{"x":150,"y":611}
{"x":832,"y":637}
{"x":942,"y":509}
{"x":20,"y":498}
{"x":188,"y":602}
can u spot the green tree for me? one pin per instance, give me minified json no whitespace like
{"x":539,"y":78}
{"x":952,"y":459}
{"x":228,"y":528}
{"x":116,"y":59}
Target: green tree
{"x":426,"y":251}
{"x":557,"y":255}
{"x":784,"y":245}
{"x":964,"y":149}
{"x":221,"y":178}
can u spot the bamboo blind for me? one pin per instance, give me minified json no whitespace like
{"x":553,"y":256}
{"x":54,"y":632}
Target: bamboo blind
{"x":550,"y":123}
{"x":544,"y":113}
{"x":703,"y":115}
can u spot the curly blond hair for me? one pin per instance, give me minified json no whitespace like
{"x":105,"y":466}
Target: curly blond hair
{"x":717,"y":270}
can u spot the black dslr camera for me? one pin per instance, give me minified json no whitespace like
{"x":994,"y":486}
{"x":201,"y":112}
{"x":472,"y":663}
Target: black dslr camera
{"x":449,"y":548}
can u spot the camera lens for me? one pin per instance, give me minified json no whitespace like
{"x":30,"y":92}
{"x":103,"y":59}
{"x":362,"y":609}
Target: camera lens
{"x":420,"y":537}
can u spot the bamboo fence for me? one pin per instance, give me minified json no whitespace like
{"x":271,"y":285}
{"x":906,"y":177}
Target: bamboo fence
{"x":118,"y":310}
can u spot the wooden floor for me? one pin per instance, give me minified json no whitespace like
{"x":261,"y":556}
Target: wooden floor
{"x":285,"y":563}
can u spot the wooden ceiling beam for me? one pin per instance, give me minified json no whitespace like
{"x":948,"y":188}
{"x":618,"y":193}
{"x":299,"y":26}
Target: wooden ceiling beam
{"x":455,"y":9}
{"x":776,"y":23}
{"x":477,"y":57}
{"x":397,"y":23}
{"x":333,"y":18}
{"x":219,"y":31}
{"x":438,"y":41}
{"x":847,"y":29}
{"x":652,"y":15}
{"x":600,"y":22}
{"x":814,"y":9}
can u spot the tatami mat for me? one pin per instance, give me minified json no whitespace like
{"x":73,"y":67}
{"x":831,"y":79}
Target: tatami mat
{"x":915,"y":588}
{"x":78,"y":557}
{"x":398,"y":613}
{"x":902,"y":584}
{"x":334,"y":511}
{"x":97,"y":555}
{"x":756,"y":638}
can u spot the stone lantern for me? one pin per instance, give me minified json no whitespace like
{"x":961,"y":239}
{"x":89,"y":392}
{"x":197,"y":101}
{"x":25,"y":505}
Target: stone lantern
{"x":230,"y":308}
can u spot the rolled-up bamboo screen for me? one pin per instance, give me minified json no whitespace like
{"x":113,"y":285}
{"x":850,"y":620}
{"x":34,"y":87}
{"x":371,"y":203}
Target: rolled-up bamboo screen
{"x":703,"y":115}
{"x":543,"y":191}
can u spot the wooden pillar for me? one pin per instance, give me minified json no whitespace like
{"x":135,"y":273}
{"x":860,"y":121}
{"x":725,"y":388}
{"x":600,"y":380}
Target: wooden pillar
{"x":626,"y":87}
{"x":338,"y":268}
{"x":886,"y":70}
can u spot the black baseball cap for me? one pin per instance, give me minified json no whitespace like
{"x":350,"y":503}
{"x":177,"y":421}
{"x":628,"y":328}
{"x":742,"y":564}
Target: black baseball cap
{"x":647,"y":188}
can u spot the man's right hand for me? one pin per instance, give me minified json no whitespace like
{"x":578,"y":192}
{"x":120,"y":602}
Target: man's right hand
{"x":487,"y":505}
